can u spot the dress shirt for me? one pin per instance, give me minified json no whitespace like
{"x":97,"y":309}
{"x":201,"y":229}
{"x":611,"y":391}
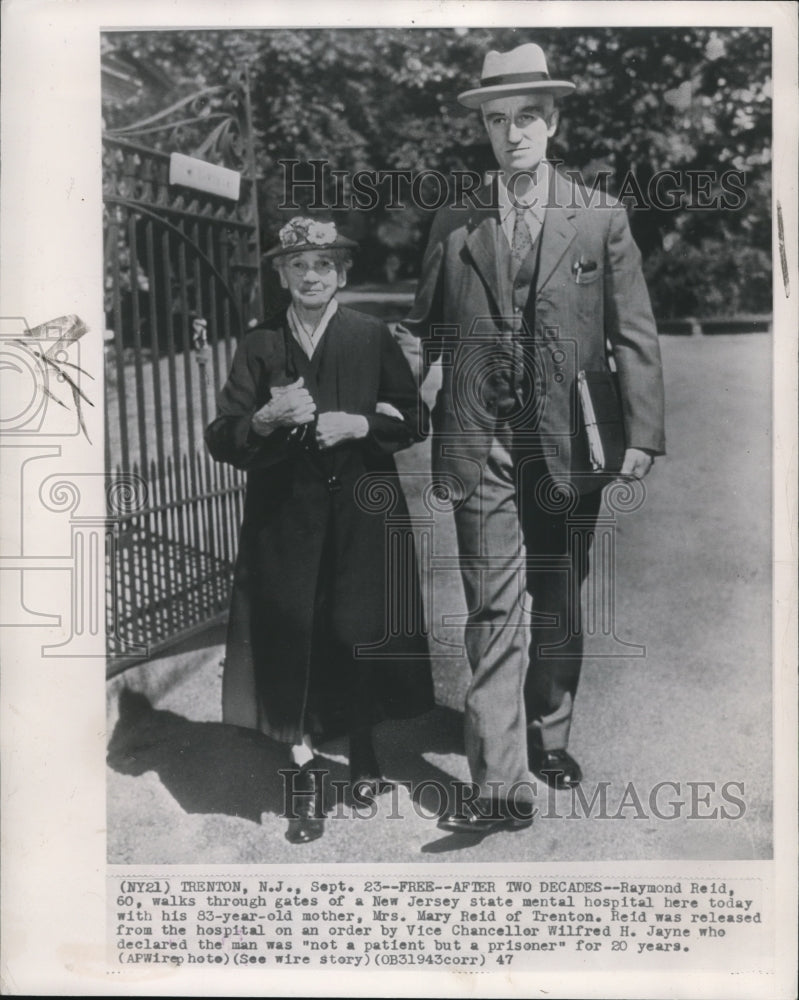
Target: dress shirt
{"x":534,"y":201}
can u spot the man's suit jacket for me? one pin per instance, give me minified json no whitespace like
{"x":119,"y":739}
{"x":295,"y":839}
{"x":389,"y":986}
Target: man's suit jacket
{"x":590,"y":291}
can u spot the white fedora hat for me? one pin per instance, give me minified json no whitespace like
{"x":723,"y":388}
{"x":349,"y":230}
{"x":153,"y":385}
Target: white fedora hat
{"x":523,"y":70}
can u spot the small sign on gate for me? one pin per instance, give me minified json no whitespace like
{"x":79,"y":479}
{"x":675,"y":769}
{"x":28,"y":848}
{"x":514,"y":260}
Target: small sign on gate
{"x":204,"y":176}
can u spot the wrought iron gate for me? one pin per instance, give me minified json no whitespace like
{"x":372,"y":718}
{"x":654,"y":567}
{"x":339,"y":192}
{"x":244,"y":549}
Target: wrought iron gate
{"x":182,"y":282}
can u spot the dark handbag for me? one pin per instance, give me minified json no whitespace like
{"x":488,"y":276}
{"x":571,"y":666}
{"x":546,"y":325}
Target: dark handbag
{"x":600,"y":403}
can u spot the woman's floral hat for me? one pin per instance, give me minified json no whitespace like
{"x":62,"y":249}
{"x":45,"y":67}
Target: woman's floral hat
{"x":309,"y":234}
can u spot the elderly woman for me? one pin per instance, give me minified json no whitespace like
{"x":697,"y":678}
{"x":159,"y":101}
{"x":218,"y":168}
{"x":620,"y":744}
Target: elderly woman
{"x":318,"y":397}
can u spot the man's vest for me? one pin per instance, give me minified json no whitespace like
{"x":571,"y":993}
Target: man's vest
{"x":516,"y":388}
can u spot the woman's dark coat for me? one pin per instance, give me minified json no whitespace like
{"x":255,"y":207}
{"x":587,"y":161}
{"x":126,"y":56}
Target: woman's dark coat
{"x":311,"y":583}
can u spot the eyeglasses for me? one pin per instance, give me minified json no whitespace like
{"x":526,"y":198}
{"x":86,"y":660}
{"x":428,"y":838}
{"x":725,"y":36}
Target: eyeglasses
{"x":301,"y":266}
{"x":521,"y":119}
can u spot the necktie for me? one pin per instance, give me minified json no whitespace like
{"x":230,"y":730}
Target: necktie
{"x":521,"y":246}
{"x":522,"y":242}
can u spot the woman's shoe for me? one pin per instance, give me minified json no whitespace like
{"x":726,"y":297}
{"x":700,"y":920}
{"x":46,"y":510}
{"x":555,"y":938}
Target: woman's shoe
{"x":307,"y":820}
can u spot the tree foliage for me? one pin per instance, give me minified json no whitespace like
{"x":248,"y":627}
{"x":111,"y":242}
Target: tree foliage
{"x":647,"y":100}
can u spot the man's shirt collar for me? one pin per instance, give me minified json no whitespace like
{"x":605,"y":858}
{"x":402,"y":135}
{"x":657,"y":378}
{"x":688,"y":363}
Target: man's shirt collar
{"x":534,"y":199}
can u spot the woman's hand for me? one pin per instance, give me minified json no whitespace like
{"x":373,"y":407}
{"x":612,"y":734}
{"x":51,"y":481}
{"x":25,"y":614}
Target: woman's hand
{"x":335,"y":427}
{"x":290,"y":406}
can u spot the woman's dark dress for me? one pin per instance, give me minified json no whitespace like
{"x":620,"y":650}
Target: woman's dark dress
{"x":311,"y":579}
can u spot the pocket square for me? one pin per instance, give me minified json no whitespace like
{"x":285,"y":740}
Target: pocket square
{"x":581,"y":267}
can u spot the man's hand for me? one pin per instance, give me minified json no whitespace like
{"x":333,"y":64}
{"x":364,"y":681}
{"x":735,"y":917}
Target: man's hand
{"x":290,"y":406}
{"x":636,"y":463}
{"x":335,"y":427}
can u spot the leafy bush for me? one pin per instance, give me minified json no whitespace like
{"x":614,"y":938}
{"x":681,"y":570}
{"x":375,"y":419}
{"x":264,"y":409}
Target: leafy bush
{"x":716,"y":278}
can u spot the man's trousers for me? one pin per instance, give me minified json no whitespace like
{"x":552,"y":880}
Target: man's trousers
{"x":523,"y":550}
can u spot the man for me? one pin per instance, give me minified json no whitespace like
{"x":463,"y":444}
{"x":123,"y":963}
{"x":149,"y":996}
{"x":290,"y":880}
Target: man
{"x":518,"y":293}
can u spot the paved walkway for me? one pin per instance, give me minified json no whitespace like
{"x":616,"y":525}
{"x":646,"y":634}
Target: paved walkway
{"x":693,"y":587}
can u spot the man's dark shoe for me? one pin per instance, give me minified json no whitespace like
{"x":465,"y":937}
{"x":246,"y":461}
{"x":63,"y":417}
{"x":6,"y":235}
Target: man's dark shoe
{"x":556,"y":767}
{"x":484,"y":816}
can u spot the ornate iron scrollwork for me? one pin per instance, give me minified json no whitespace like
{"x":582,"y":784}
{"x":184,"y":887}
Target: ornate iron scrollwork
{"x":211,"y":124}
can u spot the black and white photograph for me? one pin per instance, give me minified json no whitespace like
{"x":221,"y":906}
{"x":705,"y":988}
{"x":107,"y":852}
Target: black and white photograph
{"x":401,"y":473}
{"x":412,"y":336}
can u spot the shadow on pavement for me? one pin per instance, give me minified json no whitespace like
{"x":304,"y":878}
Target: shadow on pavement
{"x":207,"y":767}
{"x":458,"y":842}
{"x":213,"y":768}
